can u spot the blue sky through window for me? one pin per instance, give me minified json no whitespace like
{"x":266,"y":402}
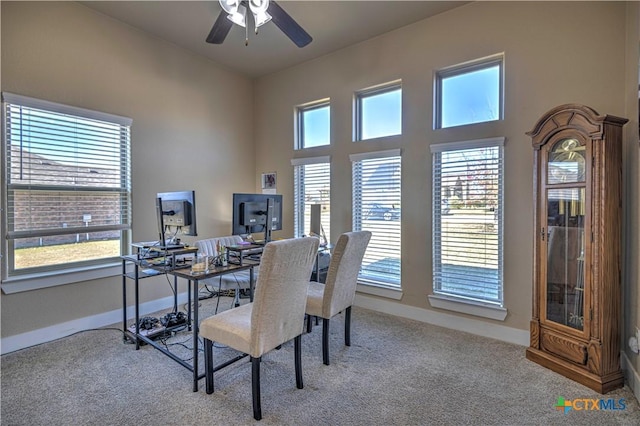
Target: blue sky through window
{"x":471,"y":97}
{"x":315,"y":127}
{"x":381,"y":115}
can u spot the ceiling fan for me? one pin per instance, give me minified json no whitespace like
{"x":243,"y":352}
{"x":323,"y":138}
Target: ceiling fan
{"x":263,"y":11}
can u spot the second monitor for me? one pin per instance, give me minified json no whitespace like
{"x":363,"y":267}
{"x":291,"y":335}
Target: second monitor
{"x":253,"y":213}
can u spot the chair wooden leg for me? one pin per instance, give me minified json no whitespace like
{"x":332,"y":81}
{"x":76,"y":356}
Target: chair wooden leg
{"x":347,"y":326}
{"x":325,"y":341}
{"x":298,"y":360}
{"x":255,"y":387}
{"x":208,"y":365}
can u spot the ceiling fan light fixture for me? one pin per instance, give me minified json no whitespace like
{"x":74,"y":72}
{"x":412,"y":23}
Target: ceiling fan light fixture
{"x":230,"y":6}
{"x":258,"y":6}
{"x":259,"y":10}
{"x":261,"y":19}
{"x":239,"y":16}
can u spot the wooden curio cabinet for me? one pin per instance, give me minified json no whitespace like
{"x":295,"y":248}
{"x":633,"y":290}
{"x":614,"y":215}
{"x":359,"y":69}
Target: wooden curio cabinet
{"x":575,"y":328}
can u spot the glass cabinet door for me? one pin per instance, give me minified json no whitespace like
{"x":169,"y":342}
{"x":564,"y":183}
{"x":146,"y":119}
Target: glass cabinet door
{"x":565,"y":204}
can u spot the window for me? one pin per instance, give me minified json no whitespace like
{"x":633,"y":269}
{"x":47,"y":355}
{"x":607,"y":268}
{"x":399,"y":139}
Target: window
{"x":377,"y":208}
{"x":312,"y":185}
{"x":379,"y":112}
{"x":68,"y":186}
{"x":314,"y":125}
{"x":467,"y":220}
{"x":469,"y":93}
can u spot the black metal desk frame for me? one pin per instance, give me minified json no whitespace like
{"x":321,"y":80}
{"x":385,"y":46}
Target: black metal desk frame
{"x":241,"y":251}
{"x":192,"y":294}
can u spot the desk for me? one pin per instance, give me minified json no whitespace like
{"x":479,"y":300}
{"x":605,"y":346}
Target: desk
{"x":192,"y":291}
{"x":154,"y":262}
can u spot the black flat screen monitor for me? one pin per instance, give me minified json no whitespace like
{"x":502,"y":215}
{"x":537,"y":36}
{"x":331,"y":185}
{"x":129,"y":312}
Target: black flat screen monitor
{"x":176,"y":215}
{"x":251,"y":212}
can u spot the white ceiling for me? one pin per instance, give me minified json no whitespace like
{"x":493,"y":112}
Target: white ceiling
{"x":332,"y":24}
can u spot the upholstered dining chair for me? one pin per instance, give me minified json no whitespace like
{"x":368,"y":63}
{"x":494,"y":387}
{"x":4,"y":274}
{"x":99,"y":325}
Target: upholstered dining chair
{"x":338,"y":292}
{"x":275,"y":316}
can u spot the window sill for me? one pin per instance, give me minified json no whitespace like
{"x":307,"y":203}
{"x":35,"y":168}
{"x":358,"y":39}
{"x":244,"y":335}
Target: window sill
{"x":39,"y":281}
{"x":468,"y":307}
{"x":380,"y":290}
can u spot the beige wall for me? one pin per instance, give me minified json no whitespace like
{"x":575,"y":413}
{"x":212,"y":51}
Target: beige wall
{"x":631,"y":179}
{"x":555,"y":53}
{"x":189,"y":130}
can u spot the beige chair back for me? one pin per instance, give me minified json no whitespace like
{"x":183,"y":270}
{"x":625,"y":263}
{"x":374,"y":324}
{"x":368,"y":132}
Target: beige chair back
{"x":342,"y":276}
{"x":281,"y":292}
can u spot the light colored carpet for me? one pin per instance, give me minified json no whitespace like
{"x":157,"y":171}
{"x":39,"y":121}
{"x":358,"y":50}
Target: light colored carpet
{"x":397,"y":372}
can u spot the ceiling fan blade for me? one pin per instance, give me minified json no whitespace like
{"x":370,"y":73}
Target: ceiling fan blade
{"x":287,"y":25}
{"x":220,"y":29}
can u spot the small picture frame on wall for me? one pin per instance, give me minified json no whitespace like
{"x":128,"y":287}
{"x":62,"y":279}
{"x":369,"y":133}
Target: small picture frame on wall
{"x":269,"y":183}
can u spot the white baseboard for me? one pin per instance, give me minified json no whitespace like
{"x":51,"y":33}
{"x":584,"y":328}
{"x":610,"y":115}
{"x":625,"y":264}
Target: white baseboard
{"x":57,"y":331}
{"x":481,"y":328}
{"x":630,"y":374}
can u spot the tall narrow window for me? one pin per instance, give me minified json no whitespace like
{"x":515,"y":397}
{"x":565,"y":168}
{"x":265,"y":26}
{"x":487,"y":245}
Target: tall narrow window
{"x":467,"y":220}
{"x":469,"y":93}
{"x":379,"y":112}
{"x":68,"y":186}
{"x":312,"y":185}
{"x":377,"y":208}
{"x":313,"y":123}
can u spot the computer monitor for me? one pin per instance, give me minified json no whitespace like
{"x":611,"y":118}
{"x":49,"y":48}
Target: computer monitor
{"x":252,"y":213}
{"x":176,"y":214}
{"x":315,"y":225}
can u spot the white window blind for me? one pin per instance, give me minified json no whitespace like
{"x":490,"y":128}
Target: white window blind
{"x":377,"y":208}
{"x":67,"y":182}
{"x":467,"y":220}
{"x":312,"y":185}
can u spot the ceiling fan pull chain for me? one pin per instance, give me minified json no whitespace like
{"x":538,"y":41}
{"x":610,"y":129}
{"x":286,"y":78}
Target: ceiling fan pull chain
{"x":246,"y":30}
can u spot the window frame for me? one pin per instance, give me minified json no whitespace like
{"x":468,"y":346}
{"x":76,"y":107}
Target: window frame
{"x":43,"y":276}
{"x":377,"y":285}
{"x":461,"y":303}
{"x":358,"y":108}
{"x":300,"y":110}
{"x":461,"y":69}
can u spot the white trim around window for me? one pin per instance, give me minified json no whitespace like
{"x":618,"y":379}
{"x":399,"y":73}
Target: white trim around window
{"x":70,"y":276}
{"x":26,"y":101}
{"x":67,"y":181}
{"x":375,"y":154}
{"x":310,"y":160}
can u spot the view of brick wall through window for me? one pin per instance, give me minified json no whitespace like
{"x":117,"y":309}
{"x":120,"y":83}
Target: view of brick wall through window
{"x":72,"y":204}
